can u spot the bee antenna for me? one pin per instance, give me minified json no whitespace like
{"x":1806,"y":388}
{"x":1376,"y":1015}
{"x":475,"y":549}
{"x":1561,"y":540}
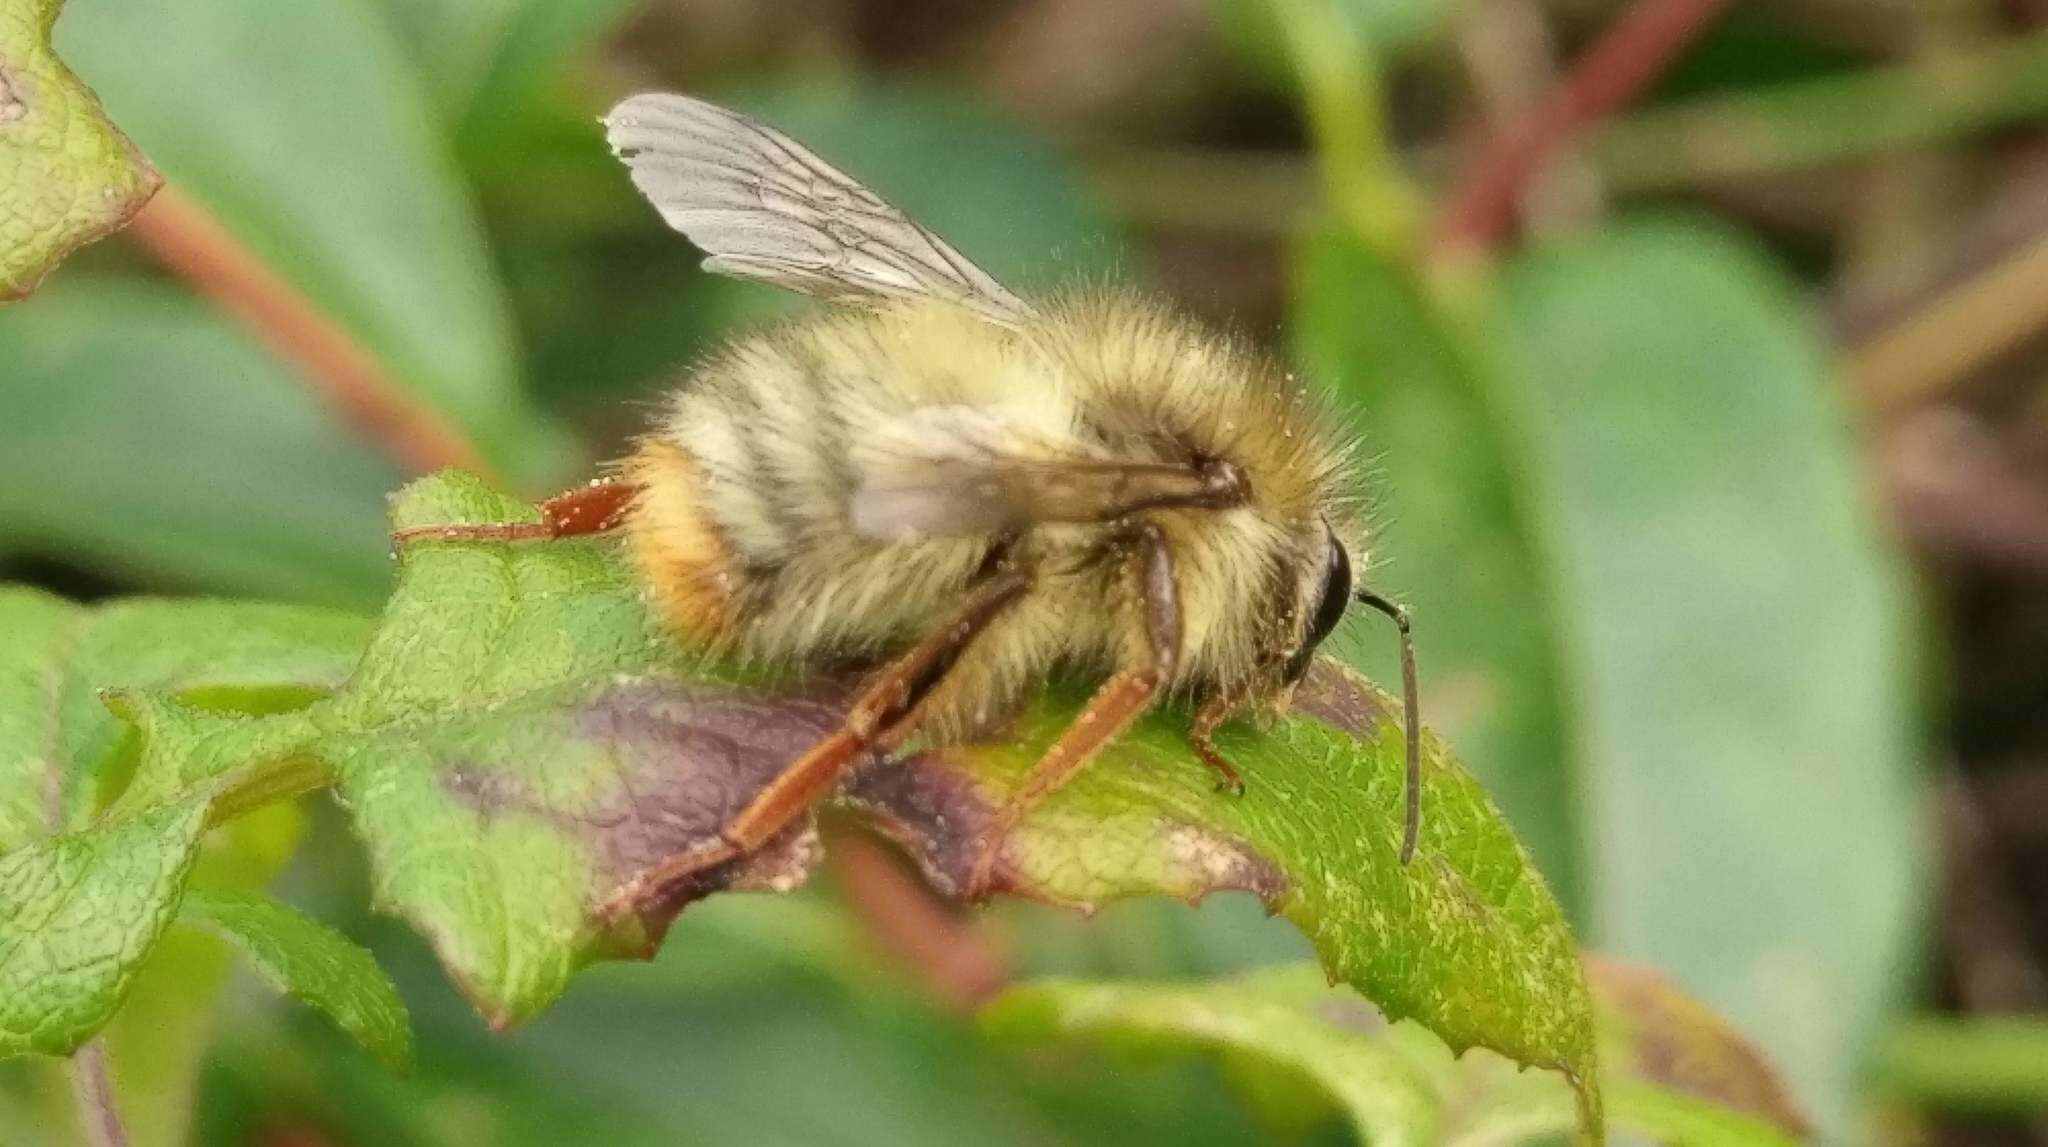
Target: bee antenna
{"x":1411,"y":825}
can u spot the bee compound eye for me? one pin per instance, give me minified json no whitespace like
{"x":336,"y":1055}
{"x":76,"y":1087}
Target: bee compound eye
{"x":1336,"y":595}
{"x":1331,"y":602}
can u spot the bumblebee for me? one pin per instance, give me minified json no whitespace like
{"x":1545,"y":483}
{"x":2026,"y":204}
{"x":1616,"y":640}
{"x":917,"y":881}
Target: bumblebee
{"x":963,"y":489}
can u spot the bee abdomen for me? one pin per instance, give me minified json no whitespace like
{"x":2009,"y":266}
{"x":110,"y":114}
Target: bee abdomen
{"x":741,"y":527}
{"x":770,"y":451}
{"x":684,"y":561}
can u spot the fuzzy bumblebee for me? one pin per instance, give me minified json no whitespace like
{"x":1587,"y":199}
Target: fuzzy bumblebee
{"x":966,"y":491}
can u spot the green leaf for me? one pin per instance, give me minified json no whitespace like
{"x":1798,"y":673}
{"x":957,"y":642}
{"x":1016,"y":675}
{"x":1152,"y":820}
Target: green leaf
{"x":1466,"y":939}
{"x":84,"y":899}
{"x":1598,"y":508}
{"x":146,"y":436}
{"x":804,"y":1016}
{"x":1664,"y":1066}
{"x":507,"y":769}
{"x":67,"y":174}
{"x":35,"y":632}
{"x":519,"y":743}
{"x":1666,"y":1116}
{"x":485,"y":830}
{"x":1456,"y":535}
{"x":302,"y":129}
{"x":1736,"y":631}
{"x":313,"y":964}
{"x":1386,"y":1098}
{"x":157,"y":1044}
{"x":78,"y":912}
{"x":58,"y":742}
{"x":233,"y":761}
{"x":161,"y":1037}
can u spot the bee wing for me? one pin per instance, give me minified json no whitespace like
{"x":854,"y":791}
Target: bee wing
{"x":951,"y":470}
{"x":763,"y":207}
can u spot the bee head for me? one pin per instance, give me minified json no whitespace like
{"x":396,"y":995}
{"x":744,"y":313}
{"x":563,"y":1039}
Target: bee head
{"x":1331,"y":600}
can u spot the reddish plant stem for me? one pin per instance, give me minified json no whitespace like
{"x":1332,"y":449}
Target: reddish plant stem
{"x":962,"y":967}
{"x":188,"y":240}
{"x":98,"y":1116}
{"x":1634,"y":51}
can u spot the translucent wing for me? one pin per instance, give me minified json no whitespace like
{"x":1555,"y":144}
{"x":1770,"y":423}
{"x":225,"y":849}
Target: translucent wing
{"x":952,"y":470}
{"x":763,"y":207}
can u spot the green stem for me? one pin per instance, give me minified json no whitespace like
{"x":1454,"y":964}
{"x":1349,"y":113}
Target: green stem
{"x":1827,"y":120}
{"x":1341,"y":83}
{"x":1992,"y":1066}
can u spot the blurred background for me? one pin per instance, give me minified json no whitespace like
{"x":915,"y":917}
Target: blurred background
{"x":1712,"y":458}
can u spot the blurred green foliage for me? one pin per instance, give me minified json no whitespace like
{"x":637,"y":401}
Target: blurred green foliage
{"x":1656,"y":611}
{"x":307,"y":133}
{"x":127,"y":399}
{"x":1298,"y":1048}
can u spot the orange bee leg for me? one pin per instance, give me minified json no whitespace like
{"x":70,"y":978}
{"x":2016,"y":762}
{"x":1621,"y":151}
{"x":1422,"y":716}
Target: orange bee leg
{"x":882,"y":717}
{"x":588,"y":509}
{"x":1121,"y":700}
{"x":1210,"y":717}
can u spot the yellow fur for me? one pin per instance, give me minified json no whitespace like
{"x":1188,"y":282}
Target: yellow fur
{"x":741,"y":523}
{"x":682,"y":560}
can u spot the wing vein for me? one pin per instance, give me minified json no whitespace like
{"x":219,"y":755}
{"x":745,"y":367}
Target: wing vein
{"x":764,"y":207}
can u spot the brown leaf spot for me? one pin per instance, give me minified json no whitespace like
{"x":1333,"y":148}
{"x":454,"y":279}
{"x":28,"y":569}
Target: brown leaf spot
{"x":930,"y":808}
{"x":13,"y":108}
{"x":491,"y":793}
{"x":1339,"y":699}
{"x":1206,"y":861}
{"x":1351,"y":1013}
{"x":781,"y":865}
{"x":930,"y":805}
{"x":665,"y":767}
{"x":689,"y":759}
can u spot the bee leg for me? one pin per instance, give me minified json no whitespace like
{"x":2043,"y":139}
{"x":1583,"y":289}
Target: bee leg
{"x":1208,"y":719}
{"x":1121,"y":700}
{"x":882,"y":717}
{"x":592,"y":508}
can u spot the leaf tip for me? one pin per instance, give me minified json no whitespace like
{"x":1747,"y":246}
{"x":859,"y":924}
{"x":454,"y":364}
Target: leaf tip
{"x":73,"y":176}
